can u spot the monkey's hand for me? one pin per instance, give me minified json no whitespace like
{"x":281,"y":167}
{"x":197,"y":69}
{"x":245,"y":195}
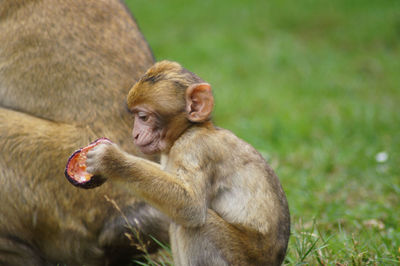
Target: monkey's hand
{"x":105,"y":160}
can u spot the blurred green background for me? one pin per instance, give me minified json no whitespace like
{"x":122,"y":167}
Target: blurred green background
{"x":315,"y":87}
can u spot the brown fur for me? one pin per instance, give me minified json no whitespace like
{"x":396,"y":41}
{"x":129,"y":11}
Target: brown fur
{"x":65,"y":69}
{"x":226,"y":204}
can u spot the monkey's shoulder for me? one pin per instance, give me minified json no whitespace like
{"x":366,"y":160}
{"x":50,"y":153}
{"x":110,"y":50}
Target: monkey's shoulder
{"x":219,"y":147}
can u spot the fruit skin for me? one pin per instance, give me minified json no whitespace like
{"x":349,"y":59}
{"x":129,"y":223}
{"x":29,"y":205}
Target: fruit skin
{"x":94,"y":180}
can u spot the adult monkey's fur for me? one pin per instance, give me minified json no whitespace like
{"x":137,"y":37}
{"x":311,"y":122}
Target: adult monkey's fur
{"x":65,"y":69}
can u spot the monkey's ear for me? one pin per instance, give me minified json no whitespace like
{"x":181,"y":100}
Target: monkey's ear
{"x":199,"y":102}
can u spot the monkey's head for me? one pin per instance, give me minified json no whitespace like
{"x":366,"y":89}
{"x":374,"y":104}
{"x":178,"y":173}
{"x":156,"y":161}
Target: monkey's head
{"x":166,"y":101}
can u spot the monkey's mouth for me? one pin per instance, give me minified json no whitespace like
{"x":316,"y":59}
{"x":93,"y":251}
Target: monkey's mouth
{"x":148,"y":144}
{"x":151,"y":147}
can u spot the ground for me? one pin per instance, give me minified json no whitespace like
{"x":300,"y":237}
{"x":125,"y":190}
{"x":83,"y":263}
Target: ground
{"x":315,"y":86}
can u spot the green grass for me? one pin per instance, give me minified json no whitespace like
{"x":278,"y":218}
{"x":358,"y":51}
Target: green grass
{"x":315,"y":86}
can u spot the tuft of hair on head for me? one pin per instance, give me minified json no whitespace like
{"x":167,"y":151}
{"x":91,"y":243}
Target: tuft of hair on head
{"x":173,"y":71}
{"x":167,"y":78}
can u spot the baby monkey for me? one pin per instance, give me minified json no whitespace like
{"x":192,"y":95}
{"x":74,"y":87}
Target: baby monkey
{"x":226,"y":204}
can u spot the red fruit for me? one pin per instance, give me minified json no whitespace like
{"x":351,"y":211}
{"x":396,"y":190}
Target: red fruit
{"x":75,"y":170}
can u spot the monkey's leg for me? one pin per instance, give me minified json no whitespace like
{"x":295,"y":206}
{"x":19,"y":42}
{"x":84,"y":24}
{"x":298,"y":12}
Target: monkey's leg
{"x":39,"y":211}
{"x":40,"y":207}
{"x":218,"y":241}
{"x":16,"y":252}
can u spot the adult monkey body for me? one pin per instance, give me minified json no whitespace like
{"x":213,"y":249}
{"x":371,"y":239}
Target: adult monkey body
{"x":226,"y":203}
{"x":65,"y":69}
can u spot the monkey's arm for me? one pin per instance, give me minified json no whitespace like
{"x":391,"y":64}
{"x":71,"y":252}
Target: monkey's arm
{"x":179,"y":198}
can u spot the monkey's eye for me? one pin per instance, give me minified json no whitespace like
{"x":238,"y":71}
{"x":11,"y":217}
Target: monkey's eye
{"x":143,"y":116}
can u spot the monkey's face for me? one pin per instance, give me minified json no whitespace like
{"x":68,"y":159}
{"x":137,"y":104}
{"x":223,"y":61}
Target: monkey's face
{"x":154,"y":132}
{"x":147,"y":131}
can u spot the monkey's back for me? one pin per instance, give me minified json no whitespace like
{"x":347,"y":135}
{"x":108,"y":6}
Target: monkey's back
{"x":75,"y":53}
{"x":238,"y":183}
{"x":244,"y":188}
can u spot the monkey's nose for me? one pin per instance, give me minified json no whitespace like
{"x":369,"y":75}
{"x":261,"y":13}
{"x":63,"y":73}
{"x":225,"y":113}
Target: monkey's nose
{"x":135,"y":134}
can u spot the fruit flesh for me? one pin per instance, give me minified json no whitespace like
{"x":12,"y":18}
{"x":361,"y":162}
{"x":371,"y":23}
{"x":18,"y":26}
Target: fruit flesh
{"x":76,"y":167}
